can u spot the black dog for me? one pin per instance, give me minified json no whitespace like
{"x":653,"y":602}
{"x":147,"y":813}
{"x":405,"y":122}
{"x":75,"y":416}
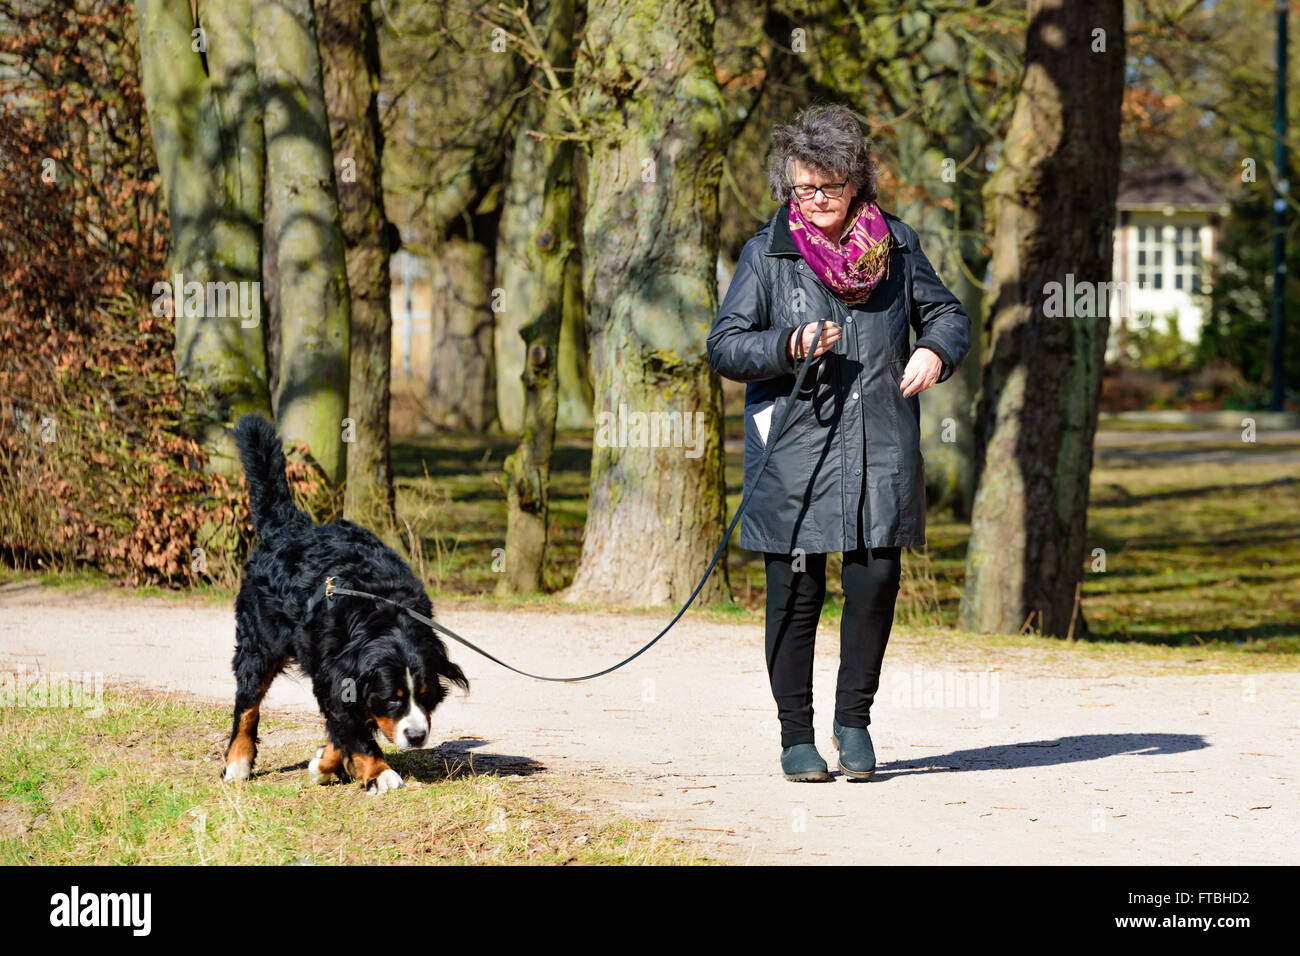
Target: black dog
{"x":372,"y":666}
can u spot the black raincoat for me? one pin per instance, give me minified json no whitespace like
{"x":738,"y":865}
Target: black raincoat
{"x":848,"y":472}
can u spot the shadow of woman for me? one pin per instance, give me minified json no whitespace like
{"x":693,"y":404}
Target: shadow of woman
{"x":1044,"y":753}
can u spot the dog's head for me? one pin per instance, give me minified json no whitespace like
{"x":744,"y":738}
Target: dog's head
{"x":392,"y":677}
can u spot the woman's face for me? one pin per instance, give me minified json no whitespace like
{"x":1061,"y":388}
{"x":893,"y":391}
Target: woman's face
{"x":823,"y":212}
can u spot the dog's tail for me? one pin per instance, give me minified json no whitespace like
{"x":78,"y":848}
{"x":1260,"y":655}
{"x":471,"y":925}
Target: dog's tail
{"x":268,"y":489}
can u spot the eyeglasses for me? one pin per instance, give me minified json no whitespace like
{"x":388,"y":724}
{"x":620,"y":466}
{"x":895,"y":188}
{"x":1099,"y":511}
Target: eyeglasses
{"x":829,"y":190}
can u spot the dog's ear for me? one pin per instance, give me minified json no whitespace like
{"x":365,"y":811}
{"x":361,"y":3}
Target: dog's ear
{"x":436,"y":660}
{"x":452,"y":674}
{"x":437,"y":664}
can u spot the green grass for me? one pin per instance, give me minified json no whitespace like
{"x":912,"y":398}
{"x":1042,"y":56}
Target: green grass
{"x":1199,"y":553}
{"x":140,"y":785}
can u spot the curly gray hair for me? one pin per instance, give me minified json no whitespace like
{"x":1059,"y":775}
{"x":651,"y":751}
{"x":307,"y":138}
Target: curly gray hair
{"x":828,"y":139}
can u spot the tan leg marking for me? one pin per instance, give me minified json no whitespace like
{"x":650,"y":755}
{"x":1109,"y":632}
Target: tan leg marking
{"x":366,"y":768}
{"x":244,"y":746}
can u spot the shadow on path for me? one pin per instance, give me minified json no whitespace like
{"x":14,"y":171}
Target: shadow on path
{"x":1045,"y":753}
{"x":461,"y":758}
{"x":450,"y":761}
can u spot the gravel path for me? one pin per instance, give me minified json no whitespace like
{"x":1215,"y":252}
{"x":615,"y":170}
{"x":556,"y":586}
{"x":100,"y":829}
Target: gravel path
{"x":1033,"y":757}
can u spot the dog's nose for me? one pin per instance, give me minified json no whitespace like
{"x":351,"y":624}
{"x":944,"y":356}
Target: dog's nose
{"x":416,"y":737}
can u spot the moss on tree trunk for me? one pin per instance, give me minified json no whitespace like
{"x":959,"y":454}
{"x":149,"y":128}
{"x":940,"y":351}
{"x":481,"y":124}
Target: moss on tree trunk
{"x":658,"y":124}
{"x":207,"y":132}
{"x":528,"y":470}
{"x":312,"y":393}
{"x":350,"y":60}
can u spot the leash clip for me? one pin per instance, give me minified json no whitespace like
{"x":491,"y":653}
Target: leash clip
{"x":329,"y":588}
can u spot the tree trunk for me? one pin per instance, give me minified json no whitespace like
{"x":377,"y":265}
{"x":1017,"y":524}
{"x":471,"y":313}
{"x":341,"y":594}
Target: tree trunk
{"x":207,"y":132}
{"x":1051,"y":207}
{"x":658,"y":124}
{"x":947,"y":438}
{"x":576,"y":396}
{"x":925,"y":62}
{"x":312,"y":398}
{"x":521,"y":212}
{"x":462,"y":385}
{"x":271,"y":297}
{"x":947,"y":432}
{"x":350,"y":58}
{"x":947,"y":421}
{"x":528,"y":471}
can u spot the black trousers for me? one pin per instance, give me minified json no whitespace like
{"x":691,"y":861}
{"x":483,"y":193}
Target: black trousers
{"x":794,"y":605}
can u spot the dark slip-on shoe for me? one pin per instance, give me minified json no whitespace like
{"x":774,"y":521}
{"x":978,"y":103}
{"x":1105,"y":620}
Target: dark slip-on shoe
{"x":803,"y":763}
{"x":857,"y":756}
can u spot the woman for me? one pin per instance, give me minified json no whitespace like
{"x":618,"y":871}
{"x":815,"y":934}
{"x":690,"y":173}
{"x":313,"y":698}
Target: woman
{"x":847,"y":475}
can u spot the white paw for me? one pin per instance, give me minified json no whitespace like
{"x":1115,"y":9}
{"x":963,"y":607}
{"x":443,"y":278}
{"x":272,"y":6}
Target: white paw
{"x":238,"y":770}
{"x":386,"y":781}
{"x":313,"y":770}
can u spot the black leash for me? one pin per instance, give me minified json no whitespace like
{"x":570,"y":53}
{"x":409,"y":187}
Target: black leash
{"x":329,"y":589}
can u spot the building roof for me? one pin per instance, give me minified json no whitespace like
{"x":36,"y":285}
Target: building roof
{"x":1163,"y":186}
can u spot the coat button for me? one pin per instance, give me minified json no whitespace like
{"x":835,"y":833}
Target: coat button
{"x":850,"y":320}
{"x":857,"y":471}
{"x":855,"y":394}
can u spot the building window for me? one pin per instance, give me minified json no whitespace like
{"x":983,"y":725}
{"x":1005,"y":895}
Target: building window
{"x":1169,"y":257}
{"x":1187,"y":259}
{"x":1150,"y":258}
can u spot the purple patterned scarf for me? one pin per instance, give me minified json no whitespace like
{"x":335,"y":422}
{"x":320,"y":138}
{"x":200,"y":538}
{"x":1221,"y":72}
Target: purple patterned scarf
{"x":851,"y":269}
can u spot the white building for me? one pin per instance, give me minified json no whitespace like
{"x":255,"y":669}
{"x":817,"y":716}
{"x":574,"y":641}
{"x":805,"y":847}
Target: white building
{"x":1166,"y":237}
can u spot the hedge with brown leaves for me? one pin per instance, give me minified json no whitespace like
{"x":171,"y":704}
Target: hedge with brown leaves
{"x":95,"y":468}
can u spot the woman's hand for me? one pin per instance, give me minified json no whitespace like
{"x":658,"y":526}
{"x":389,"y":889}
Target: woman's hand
{"x":805,"y":335}
{"x":923,"y":370}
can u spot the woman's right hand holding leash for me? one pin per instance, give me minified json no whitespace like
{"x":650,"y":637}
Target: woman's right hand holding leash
{"x":801,"y":340}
